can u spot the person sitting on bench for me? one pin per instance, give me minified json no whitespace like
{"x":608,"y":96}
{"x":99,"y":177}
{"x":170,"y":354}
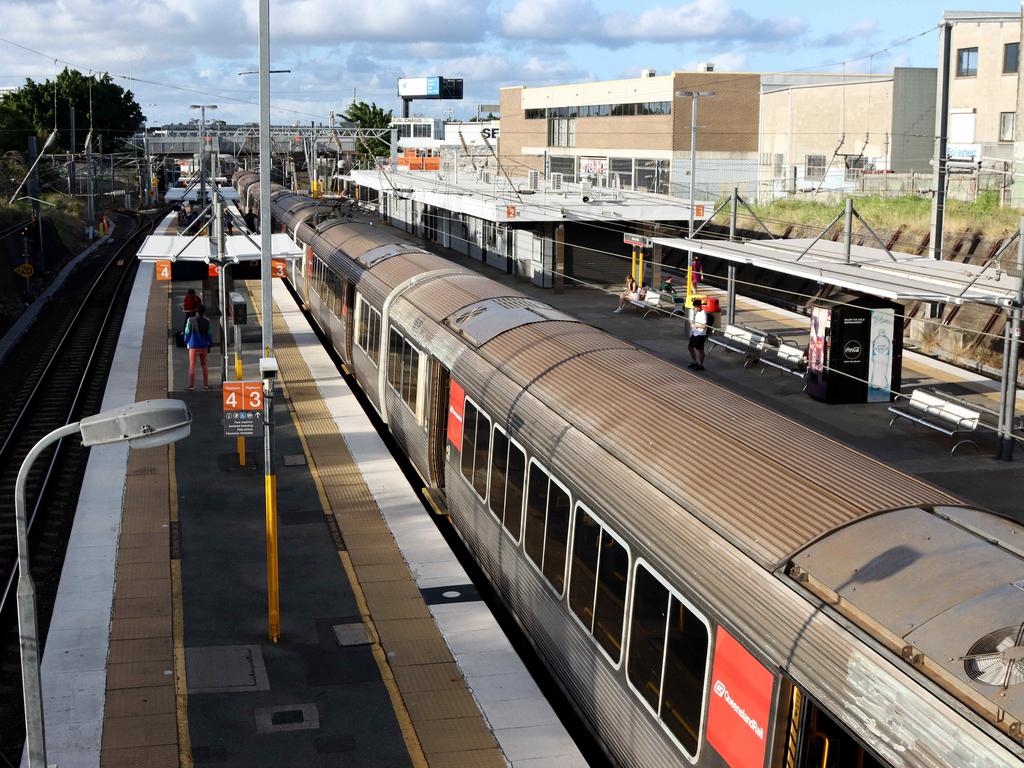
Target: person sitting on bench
{"x":631,"y":293}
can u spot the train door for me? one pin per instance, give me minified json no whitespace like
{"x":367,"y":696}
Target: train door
{"x":437,"y":421}
{"x":348,"y":316}
{"x":307,"y":274}
{"x":815,"y":739}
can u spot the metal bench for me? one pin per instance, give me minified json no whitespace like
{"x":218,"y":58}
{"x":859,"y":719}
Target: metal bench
{"x":675,"y":303}
{"x":787,"y":358}
{"x":745,"y":341}
{"x":651,"y":302}
{"x":938,"y":413}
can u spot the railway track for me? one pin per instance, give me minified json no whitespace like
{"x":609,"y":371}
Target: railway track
{"x":57,"y":375}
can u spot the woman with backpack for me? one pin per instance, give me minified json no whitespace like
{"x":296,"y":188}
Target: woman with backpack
{"x":198,"y":340}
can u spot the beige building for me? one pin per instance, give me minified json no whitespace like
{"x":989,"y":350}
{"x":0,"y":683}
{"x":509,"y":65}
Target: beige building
{"x":635,"y":133}
{"x":985,"y":51}
{"x":826,"y":131}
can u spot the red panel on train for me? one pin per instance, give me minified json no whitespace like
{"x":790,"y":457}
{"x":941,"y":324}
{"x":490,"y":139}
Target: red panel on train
{"x":456,"y":410}
{"x":741,"y":700}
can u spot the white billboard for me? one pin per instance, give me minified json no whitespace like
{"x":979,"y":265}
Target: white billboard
{"x":419,"y":87}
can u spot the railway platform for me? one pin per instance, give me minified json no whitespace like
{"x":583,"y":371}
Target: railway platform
{"x":158,"y":654}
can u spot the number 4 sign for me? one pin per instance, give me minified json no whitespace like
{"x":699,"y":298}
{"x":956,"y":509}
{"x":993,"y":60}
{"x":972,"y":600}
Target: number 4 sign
{"x":163,"y":269}
{"x":243,"y":396}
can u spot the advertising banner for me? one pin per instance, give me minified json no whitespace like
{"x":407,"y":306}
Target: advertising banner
{"x":820,"y":317}
{"x":741,"y":699}
{"x":419,"y":87}
{"x":456,"y":412}
{"x":880,"y":351}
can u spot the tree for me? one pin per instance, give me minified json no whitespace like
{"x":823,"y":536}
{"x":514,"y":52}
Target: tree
{"x":369,"y":116}
{"x":115,"y":113}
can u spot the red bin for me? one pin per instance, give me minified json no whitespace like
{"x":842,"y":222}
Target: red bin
{"x":711,"y":304}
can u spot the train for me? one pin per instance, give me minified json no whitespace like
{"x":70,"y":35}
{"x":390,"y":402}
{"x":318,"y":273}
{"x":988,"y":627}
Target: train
{"x":709,"y":582}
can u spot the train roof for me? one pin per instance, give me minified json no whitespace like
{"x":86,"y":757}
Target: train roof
{"x":943,"y":588}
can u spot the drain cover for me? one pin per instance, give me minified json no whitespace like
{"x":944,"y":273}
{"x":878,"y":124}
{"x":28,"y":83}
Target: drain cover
{"x":290,"y":717}
{"x":351,"y":634}
{"x":225,"y":669}
{"x":294,"y":460}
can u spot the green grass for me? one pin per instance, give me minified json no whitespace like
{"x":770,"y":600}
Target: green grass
{"x":912,"y":214}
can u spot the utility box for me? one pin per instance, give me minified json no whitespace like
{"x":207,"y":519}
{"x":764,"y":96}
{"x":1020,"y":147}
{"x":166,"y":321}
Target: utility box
{"x":239,"y":310}
{"x":855,"y":354}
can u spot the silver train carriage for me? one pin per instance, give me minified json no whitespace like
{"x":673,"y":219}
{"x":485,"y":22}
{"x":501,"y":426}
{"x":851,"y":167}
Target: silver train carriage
{"x":709,"y":582}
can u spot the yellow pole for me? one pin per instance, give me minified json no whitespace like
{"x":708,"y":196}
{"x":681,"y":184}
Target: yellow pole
{"x":640,"y":271}
{"x":238,"y":366}
{"x":273,"y":588}
{"x":689,"y":286}
{"x":632,"y":250}
{"x":240,"y":442}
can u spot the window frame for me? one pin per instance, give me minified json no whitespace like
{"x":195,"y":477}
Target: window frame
{"x":629,"y":583}
{"x":1006,"y":48}
{"x":495,"y":427}
{"x":360,"y":319}
{"x":526,"y":495}
{"x":672,"y":592}
{"x":807,"y":166}
{"x":416,"y":408}
{"x":1013,"y":125}
{"x":490,"y":446}
{"x":967,"y":72}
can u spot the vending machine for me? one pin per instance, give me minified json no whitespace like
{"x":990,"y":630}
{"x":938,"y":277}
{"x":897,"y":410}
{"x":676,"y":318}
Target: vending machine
{"x":855,"y":354}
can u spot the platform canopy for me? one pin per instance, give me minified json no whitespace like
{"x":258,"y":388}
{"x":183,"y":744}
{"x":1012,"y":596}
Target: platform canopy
{"x":236,"y":247}
{"x":179,"y":194}
{"x":872,"y":271}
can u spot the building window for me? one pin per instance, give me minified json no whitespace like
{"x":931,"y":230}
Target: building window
{"x":421,"y":131}
{"x":403,"y":369}
{"x":623,"y":109}
{"x":1006,"y":120}
{"x":404,"y":131}
{"x":535,"y":114}
{"x":651,"y":176}
{"x":655,"y":108}
{"x":563,"y":165}
{"x":668,"y":657}
{"x":967,"y":62}
{"x":620,"y":172}
{"x":596,"y":110}
{"x":815,"y":167}
{"x":1011,"y":55}
{"x":854,"y":167}
{"x":562,"y":132}
{"x":368,"y":337}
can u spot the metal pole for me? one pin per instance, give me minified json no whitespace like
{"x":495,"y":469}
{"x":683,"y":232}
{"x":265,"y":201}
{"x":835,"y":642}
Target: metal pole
{"x":266,"y":286}
{"x":28,"y":635}
{"x":1008,"y":406}
{"x":72,"y":186}
{"x":693,"y":176}
{"x":90,"y":188}
{"x":394,"y":149}
{"x":202,"y":156}
{"x":730,"y":311}
{"x":848,"y":230}
{"x":33,"y":191}
{"x":941,"y":130}
{"x":222,"y":291}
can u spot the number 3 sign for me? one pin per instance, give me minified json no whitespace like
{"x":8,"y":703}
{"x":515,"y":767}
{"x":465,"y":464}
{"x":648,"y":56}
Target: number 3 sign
{"x":243,"y":396}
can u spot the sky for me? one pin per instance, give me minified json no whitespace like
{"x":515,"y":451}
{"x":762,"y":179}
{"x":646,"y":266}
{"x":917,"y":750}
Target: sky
{"x":172,"y":53}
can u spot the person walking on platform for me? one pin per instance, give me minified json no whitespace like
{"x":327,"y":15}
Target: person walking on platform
{"x":190,"y":304}
{"x":698,"y":335}
{"x":198,"y":340}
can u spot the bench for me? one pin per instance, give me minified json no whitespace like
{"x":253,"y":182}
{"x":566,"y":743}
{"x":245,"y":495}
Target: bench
{"x":651,"y":302}
{"x":989,"y":416}
{"x":936,"y":412}
{"x":786,"y":357}
{"x":674,"y":302}
{"x":745,"y":341}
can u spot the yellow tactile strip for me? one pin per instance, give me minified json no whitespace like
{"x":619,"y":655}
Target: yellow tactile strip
{"x":139,"y":721}
{"x":449,"y":727}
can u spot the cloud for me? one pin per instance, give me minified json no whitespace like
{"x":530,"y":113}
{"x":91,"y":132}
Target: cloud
{"x":855,"y":34}
{"x":695,"y":21}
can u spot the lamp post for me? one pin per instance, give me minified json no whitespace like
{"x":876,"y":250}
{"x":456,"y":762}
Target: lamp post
{"x":693,"y":95}
{"x":146,"y":424}
{"x":202,"y":149}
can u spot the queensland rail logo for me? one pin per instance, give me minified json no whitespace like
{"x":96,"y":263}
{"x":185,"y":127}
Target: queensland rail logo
{"x":723,"y":692}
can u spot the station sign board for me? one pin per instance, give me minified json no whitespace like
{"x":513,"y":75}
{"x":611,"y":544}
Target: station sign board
{"x":213,"y":270}
{"x":24,"y":270}
{"x":639,"y":241}
{"x":278,"y":268}
{"x":163,"y":269}
{"x":243,"y":408}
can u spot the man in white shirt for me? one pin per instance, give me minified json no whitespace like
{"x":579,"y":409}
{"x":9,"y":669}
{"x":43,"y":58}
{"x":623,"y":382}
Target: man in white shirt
{"x":698,"y":335}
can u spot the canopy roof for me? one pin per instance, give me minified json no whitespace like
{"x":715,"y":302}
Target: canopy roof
{"x":236,"y":248}
{"x":177,"y":194}
{"x":873,"y":271}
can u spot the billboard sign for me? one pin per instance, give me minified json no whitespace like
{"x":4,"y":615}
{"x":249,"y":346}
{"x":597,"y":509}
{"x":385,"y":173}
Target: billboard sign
{"x":456,"y":412}
{"x":419,"y":87}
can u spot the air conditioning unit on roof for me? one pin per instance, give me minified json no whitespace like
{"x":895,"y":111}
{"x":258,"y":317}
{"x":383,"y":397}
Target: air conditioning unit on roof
{"x":556,"y":182}
{"x":533,"y":181}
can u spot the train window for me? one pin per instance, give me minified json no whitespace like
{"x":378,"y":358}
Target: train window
{"x":668,"y":657}
{"x":824,"y":743}
{"x":547,"y":525}
{"x":476,"y":428}
{"x":403,"y":368}
{"x":597,"y":581}
{"x":514,"y":491}
{"x":368,"y":337}
{"x":508,"y":465}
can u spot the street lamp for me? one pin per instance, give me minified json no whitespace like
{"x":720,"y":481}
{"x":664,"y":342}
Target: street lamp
{"x":202,"y":148}
{"x":693,"y":95}
{"x":146,"y":424}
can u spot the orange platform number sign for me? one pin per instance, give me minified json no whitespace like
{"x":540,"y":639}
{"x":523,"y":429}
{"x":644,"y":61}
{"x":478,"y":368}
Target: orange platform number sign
{"x":163,"y":269}
{"x":278,"y":268}
{"x":243,"y":395}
